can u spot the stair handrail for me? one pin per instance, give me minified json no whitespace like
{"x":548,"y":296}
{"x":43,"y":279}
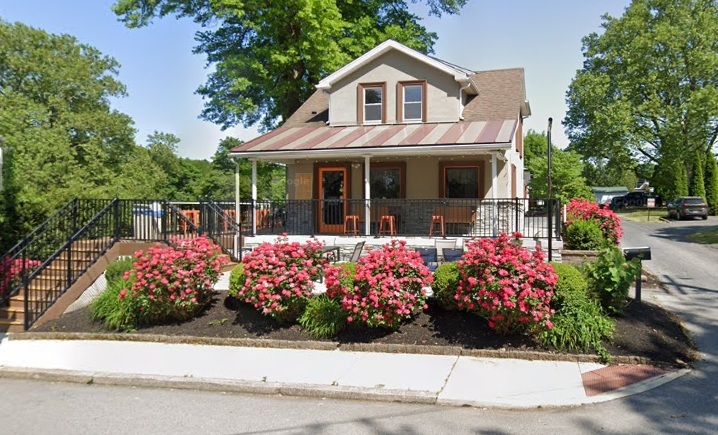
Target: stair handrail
{"x":67,"y":247}
{"x":208,"y":227}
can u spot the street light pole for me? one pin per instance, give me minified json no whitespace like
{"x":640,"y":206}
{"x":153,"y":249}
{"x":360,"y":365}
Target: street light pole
{"x":550,"y":201}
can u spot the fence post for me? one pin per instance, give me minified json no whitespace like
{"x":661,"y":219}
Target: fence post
{"x":26,"y":291}
{"x":254,"y":217}
{"x":550,"y":229}
{"x":116,"y":213}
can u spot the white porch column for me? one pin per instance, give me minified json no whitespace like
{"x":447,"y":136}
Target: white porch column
{"x":254,"y":197}
{"x":237,"y":252}
{"x":367,"y":196}
{"x":494,"y":196}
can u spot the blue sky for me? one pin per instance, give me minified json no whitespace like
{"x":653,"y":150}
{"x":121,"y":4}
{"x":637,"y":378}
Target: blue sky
{"x":161,"y":73}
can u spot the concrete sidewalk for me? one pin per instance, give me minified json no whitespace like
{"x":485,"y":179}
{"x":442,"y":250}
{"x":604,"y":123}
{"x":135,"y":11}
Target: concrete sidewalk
{"x":417,"y":378}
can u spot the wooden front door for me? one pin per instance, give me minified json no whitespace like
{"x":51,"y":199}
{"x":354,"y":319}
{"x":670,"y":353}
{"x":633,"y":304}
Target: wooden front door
{"x":332,"y":193}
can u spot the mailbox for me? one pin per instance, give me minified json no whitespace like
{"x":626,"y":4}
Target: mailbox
{"x":643,"y":253}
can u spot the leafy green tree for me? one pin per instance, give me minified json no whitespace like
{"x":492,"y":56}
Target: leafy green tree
{"x":267,"y":56}
{"x":698,"y":186}
{"x":62,"y":138}
{"x":712,"y":183}
{"x":566,"y":166}
{"x":648,"y":89}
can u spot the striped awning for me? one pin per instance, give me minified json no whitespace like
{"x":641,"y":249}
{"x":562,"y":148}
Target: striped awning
{"x":363,"y":137}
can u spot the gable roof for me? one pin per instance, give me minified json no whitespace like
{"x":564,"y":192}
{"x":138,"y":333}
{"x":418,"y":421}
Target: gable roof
{"x":461,"y":75}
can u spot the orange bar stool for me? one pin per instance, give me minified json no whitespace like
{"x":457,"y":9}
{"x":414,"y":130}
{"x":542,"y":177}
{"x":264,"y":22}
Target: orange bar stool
{"x":354,"y":221}
{"x":437,"y":220}
{"x":390,"y":226}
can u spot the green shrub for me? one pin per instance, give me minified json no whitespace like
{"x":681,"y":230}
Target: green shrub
{"x":323,"y":317}
{"x":583,"y":234}
{"x":118,"y":268}
{"x":236,"y":279}
{"x":579,"y":325}
{"x":115,"y":313}
{"x":446,"y":279}
{"x":571,"y":284}
{"x":610,"y":277}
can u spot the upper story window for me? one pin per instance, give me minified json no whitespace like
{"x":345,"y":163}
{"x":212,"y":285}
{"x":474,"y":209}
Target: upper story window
{"x":412,"y":104}
{"x":372,"y":103}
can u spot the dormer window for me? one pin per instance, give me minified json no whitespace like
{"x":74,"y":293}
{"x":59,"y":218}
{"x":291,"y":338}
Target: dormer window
{"x":372,"y":103}
{"x":412,"y":103}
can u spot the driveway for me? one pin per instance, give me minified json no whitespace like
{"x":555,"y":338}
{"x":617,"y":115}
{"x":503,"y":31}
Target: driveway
{"x":690,"y":274}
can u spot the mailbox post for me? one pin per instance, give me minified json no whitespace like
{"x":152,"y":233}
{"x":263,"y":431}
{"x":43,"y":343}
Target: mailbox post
{"x":642,"y":253}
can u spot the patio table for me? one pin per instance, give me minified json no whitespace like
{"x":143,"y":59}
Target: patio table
{"x":333,"y":252}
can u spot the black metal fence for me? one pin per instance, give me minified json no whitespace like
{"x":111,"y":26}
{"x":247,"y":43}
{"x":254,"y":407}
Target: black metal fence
{"x":402,"y":217}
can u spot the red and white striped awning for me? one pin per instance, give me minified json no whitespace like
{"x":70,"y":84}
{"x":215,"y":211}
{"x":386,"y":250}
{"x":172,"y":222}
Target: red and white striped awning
{"x":364,"y":137}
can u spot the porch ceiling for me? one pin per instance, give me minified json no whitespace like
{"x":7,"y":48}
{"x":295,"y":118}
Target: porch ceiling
{"x":460,"y":138}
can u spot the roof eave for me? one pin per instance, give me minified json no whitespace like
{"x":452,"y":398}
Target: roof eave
{"x":399,"y":151}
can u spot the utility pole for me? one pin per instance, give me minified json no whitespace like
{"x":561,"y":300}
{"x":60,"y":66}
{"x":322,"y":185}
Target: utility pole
{"x":550,"y":201}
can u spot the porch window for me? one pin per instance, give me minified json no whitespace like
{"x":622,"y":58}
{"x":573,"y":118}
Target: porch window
{"x":385,"y":183}
{"x":461,"y":181}
{"x":387,"y":180}
{"x":412,"y":104}
{"x":371,"y":103}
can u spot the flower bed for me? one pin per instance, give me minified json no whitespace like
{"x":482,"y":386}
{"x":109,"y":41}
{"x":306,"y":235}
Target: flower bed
{"x":10,"y":271}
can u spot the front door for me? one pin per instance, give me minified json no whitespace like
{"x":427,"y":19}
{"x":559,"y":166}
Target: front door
{"x":332,"y":188}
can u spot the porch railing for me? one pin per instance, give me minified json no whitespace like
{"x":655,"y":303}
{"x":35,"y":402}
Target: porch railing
{"x":411,"y":217}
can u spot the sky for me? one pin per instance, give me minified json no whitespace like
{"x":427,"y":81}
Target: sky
{"x":161,"y":73}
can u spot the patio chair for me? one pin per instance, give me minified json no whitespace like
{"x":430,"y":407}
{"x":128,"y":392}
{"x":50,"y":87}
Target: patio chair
{"x":357,"y":252}
{"x":440,"y":244}
{"x":452,"y":254}
{"x":430,"y":257}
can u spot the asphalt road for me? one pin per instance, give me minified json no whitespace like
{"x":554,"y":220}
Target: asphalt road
{"x":686,"y":405}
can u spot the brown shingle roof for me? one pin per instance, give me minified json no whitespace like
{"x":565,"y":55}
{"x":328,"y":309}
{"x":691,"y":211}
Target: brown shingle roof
{"x":501,"y":93}
{"x":313,"y":113}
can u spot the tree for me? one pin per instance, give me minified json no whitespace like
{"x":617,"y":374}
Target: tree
{"x":268,"y":56}
{"x":648,"y":89}
{"x":566,"y":166}
{"x":712,"y":183}
{"x":62,"y":138}
{"x":698,"y":186}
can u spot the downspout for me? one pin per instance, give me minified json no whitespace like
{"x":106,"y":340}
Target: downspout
{"x":461,"y":102}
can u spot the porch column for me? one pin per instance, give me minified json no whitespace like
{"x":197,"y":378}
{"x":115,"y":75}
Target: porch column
{"x":367,"y":196}
{"x":494,"y":196}
{"x":237,"y":247}
{"x":254,"y":197}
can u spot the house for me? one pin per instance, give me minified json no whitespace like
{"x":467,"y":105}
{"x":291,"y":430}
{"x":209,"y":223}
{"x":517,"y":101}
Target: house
{"x":605,"y":194}
{"x":400,"y":143}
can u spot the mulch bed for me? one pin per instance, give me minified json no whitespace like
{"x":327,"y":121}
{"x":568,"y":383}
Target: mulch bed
{"x":645,"y":330}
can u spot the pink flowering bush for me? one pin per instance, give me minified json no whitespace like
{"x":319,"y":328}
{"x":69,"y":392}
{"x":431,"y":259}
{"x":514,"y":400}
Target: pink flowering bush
{"x":10,"y":271}
{"x":172,"y":282}
{"x":506,"y":283}
{"x":386,"y":286}
{"x":278,"y":277}
{"x":609,"y":222}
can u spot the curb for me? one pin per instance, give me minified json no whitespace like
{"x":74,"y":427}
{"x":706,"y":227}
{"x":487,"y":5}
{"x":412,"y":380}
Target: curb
{"x":330,"y":345}
{"x":215,"y":385}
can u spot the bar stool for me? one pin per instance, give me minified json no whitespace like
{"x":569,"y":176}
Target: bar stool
{"x":354,"y":221}
{"x":390,"y":222}
{"x":436,"y":220}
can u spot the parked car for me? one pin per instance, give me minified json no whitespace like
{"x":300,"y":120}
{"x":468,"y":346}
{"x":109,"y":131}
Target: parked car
{"x":688,"y":206}
{"x":634,"y":199}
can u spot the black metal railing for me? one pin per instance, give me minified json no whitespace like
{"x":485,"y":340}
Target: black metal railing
{"x":42,"y":242}
{"x":59,"y":271}
{"x":217,"y":221}
{"x":409,"y":217}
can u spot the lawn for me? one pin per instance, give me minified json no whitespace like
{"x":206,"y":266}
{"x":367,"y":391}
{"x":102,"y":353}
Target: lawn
{"x":707,"y":237}
{"x":644,"y":214}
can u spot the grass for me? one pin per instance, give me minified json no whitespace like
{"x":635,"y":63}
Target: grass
{"x":644,"y":214}
{"x":707,"y":237}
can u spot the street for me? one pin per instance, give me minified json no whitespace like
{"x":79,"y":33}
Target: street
{"x":686,"y":405}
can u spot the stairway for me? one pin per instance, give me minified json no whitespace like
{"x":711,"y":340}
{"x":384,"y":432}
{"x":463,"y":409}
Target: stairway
{"x":53,"y":280}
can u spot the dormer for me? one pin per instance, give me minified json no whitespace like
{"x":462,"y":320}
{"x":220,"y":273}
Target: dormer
{"x":393,"y":84}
